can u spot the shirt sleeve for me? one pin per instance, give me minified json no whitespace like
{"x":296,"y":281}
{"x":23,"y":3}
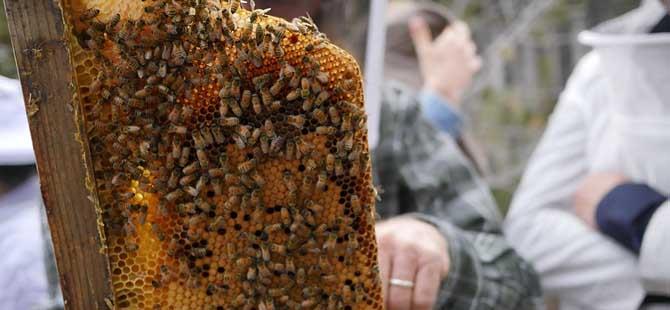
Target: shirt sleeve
{"x":655,"y":254}
{"x":438,"y":111}
{"x":624,"y":213}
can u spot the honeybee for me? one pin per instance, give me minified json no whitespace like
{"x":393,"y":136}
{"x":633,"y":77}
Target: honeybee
{"x":89,"y":14}
{"x":231,"y":202}
{"x":247,"y":166}
{"x":322,"y":77}
{"x":218,"y":135}
{"x":348,"y":141}
{"x":290,"y":150}
{"x":316,"y":88}
{"x":255,"y":199}
{"x":310,"y":165}
{"x":355,"y":168}
{"x":265,"y":144}
{"x":259,"y":35}
{"x":294,"y":82}
{"x":309,"y":303}
{"x":158,"y":231}
{"x":191,"y":169}
{"x":326,"y":130}
{"x":293,"y":95}
{"x":236,"y":191}
{"x":180,"y":130}
{"x":277,"y":144}
{"x":219,"y":223}
{"x":111,"y":25}
{"x":347,"y":293}
{"x":258,"y":178}
{"x":186,"y":180}
{"x":265,"y":273}
{"x":278,"y":86}
{"x":300,"y":277}
{"x":246,"y":99}
{"x":339,"y":168}
{"x":265,"y":253}
{"x":240,"y":300}
{"x":321,"y":229}
{"x":307,"y":104}
{"x":355,"y":204}
{"x":131,"y":129}
{"x":244,"y":131}
{"x":240,"y":141}
{"x":186,"y":208}
{"x":131,"y":247}
{"x":320,"y":116}
{"x":277,"y":292}
{"x":266,"y":97}
{"x":285,"y":216}
{"x":305,"y":87}
{"x":235,"y":107}
{"x":255,"y":135}
{"x":287,"y":71}
{"x":309,"y":218}
{"x":331,"y":241}
{"x":192,"y":191}
{"x":322,"y":97}
{"x":202,"y":158}
{"x":256,"y":102}
{"x":352,"y":246}
{"x":297,"y":121}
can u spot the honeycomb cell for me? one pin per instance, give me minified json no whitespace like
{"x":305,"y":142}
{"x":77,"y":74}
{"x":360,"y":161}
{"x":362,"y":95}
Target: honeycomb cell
{"x":210,"y":127}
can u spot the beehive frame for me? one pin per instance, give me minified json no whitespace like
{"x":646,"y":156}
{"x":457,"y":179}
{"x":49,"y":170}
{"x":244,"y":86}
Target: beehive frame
{"x":38,"y":37}
{"x":161,"y":231}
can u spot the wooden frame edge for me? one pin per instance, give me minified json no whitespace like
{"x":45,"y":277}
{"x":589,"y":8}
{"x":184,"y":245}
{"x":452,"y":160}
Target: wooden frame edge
{"x":38,"y":35}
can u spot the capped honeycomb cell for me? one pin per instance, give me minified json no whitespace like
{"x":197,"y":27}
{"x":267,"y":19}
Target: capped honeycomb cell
{"x":230,"y":157}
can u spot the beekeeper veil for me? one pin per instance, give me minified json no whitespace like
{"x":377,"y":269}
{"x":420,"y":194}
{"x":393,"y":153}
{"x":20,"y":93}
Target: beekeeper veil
{"x":635,"y":73}
{"x":636,"y":63}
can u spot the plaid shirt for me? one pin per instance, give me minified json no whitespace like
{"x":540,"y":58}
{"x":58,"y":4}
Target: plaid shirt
{"x":422,"y":173}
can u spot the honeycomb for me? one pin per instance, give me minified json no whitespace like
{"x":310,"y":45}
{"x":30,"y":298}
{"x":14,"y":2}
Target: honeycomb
{"x":230,"y":157}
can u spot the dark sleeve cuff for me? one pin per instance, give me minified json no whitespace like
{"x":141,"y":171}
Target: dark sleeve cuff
{"x":624,"y":213}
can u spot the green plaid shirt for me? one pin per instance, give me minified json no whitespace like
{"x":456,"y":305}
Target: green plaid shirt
{"x":422,"y":173}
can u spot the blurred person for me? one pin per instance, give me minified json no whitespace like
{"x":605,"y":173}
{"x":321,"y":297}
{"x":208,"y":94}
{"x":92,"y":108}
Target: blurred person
{"x":592,"y":212}
{"x":23,"y":279}
{"x":440,"y":243}
{"x":440,"y":75}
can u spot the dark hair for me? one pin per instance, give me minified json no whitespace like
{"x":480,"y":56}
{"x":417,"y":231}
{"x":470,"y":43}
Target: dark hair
{"x":398,"y":38}
{"x":401,"y":63}
{"x":13,"y":176}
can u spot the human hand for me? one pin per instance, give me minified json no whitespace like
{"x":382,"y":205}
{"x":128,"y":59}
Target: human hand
{"x":592,"y":190}
{"x":414,"y":251}
{"x":447,"y":63}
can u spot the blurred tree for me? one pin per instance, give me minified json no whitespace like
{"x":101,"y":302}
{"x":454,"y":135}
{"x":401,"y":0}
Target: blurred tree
{"x":529,"y":48}
{"x":7,"y":64}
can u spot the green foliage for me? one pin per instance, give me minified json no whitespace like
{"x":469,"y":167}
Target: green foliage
{"x":7,"y":63}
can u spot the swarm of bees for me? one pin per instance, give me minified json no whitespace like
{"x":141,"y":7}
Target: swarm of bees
{"x":230,"y":155}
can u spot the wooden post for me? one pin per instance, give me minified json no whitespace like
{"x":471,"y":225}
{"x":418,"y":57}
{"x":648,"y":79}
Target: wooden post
{"x":63,"y":161}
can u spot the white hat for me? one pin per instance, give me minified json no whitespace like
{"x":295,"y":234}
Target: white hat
{"x":16,"y":146}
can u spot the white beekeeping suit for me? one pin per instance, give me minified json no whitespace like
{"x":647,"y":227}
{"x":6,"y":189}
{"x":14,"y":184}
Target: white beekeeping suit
{"x":23,"y":280}
{"x":614,"y":116}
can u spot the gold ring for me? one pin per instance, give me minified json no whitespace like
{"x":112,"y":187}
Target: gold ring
{"x":402,"y":283}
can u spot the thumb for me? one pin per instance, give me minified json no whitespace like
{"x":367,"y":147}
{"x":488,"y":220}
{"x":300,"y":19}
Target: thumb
{"x":421,"y":35}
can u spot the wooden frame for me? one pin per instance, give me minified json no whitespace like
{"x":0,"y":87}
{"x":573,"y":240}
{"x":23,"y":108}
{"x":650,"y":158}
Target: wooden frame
{"x":41,"y":50}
